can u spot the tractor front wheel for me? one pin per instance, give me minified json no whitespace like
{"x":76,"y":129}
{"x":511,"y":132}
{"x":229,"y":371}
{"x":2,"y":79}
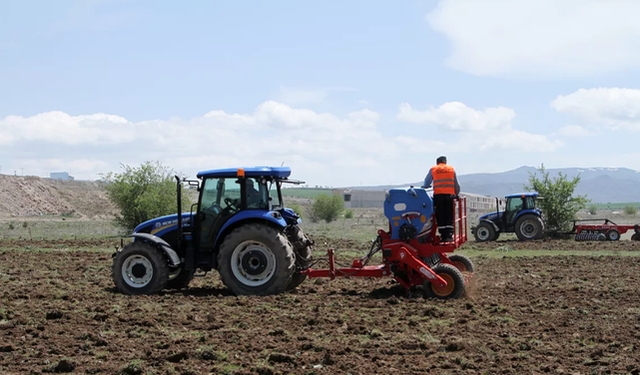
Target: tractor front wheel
{"x":484,"y":232}
{"x":140,"y":268}
{"x":462,"y":262}
{"x":529,"y":227}
{"x":256,"y":259}
{"x":454,"y":279}
{"x":303,"y":250}
{"x":179,"y":278}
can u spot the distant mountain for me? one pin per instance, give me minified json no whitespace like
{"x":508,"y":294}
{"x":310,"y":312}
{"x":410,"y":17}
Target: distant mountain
{"x":601,"y":185}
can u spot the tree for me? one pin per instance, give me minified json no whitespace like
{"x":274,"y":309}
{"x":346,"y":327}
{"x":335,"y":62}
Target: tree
{"x":558,"y":204}
{"x":326,"y":207}
{"x":143,"y":193}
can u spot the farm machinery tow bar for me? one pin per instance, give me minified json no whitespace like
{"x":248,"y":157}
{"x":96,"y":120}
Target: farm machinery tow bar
{"x":608,"y":230}
{"x":412,"y":253}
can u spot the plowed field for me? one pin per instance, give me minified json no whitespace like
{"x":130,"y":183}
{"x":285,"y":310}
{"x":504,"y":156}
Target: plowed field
{"x":59,"y":313}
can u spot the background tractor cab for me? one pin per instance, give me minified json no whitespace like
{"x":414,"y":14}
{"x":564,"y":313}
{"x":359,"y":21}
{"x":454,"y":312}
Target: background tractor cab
{"x":521,"y":215}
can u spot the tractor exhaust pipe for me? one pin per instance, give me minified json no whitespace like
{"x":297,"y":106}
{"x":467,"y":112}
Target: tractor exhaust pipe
{"x":179,"y":194}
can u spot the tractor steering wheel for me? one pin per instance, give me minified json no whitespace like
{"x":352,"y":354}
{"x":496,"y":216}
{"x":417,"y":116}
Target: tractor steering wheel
{"x":231,"y":203}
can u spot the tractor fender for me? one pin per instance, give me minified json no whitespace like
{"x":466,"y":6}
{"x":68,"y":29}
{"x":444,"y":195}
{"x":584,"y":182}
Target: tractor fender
{"x":526,"y":212}
{"x":174,"y":259}
{"x":272,"y":217}
{"x":495,"y":227}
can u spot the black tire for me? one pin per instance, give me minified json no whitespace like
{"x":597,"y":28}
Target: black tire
{"x":179,"y":278}
{"x":140,"y":268}
{"x":613,"y":235}
{"x":529,"y":227}
{"x":462,"y":262}
{"x":484,"y":232}
{"x":256,"y":259}
{"x":496,"y":236}
{"x":455,"y":283}
{"x":635,"y":237}
{"x":304,"y":255}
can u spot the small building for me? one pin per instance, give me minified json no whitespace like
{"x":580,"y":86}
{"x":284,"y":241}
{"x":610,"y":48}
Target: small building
{"x":363,"y":198}
{"x":481,"y":203}
{"x":60,"y":176}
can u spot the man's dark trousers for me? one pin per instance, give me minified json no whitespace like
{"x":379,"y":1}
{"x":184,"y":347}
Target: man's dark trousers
{"x":443,"y":204}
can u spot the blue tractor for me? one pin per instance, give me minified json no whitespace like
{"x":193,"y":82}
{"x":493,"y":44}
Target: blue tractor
{"x":521,"y":215}
{"x":239,"y":227}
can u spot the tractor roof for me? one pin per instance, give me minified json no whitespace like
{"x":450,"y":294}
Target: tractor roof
{"x":277,"y":172}
{"x":528,"y":194}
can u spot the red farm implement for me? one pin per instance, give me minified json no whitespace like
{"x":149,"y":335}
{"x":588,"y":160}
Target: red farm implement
{"x":607,"y":230}
{"x":412,"y":252}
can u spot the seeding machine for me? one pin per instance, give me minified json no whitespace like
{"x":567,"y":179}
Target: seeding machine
{"x":241,"y":228}
{"x":412,"y":252}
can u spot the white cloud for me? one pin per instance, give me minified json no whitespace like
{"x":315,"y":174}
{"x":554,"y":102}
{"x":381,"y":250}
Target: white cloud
{"x":321,"y":148}
{"x":541,"y":38}
{"x":485,"y":130}
{"x":611,"y":108}
{"x":457,"y":116}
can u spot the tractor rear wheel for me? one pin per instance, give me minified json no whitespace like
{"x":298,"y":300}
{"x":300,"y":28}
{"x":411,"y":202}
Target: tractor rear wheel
{"x":140,"y":268}
{"x":462,"y":262}
{"x":179,"y":278}
{"x":484,"y":232}
{"x":613,"y":235}
{"x":256,"y":259}
{"x":454,"y":279}
{"x":529,"y":227}
{"x":635,"y":237}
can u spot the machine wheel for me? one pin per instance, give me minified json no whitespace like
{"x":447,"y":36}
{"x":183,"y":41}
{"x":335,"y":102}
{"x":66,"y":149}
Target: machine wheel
{"x":613,"y":235}
{"x":256,"y":259}
{"x":140,"y":268}
{"x":454,"y":279}
{"x":529,"y":227}
{"x":484,"y":232}
{"x":462,"y":262}
{"x":635,"y":237}
{"x":497,"y":235}
{"x":179,"y":278}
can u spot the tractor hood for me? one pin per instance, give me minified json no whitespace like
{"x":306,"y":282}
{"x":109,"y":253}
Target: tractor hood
{"x":163,"y":224}
{"x":492,"y":216}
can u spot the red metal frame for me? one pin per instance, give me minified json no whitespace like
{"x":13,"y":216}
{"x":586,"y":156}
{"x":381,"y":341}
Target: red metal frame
{"x":403,"y":260}
{"x":602,"y":228}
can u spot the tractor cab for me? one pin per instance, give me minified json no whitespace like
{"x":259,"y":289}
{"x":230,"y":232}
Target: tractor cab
{"x":521,"y":215}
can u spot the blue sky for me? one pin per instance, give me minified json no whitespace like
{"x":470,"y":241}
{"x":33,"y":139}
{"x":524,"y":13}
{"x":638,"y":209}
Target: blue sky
{"x":345,"y":93}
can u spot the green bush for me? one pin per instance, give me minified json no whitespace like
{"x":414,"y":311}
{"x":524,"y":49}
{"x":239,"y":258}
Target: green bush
{"x":630,"y":210}
{"x":558,"y":204}
{"x":326,"y":207}
{"x":143,"y":193}
{"x":348,"y":214}
{"x":593,"y":210}
{"x":12,"y":226}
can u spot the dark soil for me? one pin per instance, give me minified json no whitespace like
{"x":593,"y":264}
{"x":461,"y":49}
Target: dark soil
{"x":59,"y":313}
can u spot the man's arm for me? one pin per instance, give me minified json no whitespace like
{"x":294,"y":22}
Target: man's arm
{"x":428,"y":180}
{"x":455,"y":182}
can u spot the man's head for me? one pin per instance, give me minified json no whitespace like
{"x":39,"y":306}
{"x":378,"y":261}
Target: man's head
{"x":441,"y":160}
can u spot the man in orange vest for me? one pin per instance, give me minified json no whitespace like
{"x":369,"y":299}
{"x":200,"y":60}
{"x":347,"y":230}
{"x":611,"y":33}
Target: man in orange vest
{"x":445,"y":189}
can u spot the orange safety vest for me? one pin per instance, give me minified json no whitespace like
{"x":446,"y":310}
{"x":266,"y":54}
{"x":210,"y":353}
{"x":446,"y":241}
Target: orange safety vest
{"x":443,"y":179}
